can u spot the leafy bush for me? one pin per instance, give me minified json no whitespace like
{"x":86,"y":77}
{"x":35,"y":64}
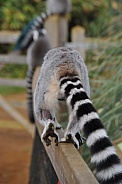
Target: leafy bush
{"x":94,"y":15}
{"x":13,"y":71}
{"x":15,"y":14}
{"x":9,"y":90}
{"x":106,"y":82}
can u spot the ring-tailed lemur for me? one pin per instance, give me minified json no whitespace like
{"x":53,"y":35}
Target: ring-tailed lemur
{"x":35,"y":55}
{"x":26,"y":37}
{"x":64,"y":75}
{"x":60,"y":7}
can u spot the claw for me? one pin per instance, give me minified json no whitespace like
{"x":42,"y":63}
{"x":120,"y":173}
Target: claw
{"x":69,"y":139}
{"x":56,"y":141}
{"x":50,"y":132}
{"x":76,"y":139}
{"x":80,"y":138}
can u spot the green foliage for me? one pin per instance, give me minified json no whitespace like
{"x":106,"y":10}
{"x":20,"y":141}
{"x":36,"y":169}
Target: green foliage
{"x":15,"y":14}
{"x":108,"y":96}
{"x":106,"y":83}
{"x":91,"y":14}
{"x":14,"y":71}
{"x":5,"y":48}
{"x":94,"y":15}
{"x":8,"y":90}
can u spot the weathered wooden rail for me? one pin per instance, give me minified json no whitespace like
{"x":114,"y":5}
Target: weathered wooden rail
{"x":66,"y":160}
{"x":17,"y":116}
{"x":79,"y":42}
{"x":13,"y":82}
{"x":12,"y":59}
{"x":10,"y":37}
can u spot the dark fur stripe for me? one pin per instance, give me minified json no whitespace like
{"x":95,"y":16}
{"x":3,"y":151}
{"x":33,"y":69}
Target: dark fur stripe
{"x":29,"y":87}
{"x":29,"y":78}
{"x":114,"y":180}
{"x":63,"y":81}
{"x":91,"y":126}
{"x":100,"y":145}
{"x":70,"y":87}
{"x":85,"y":109}
{"x":29,"y":98}
{"x":77,"y":97}
{"x":29,"y":81}
{"x":110,"y":161}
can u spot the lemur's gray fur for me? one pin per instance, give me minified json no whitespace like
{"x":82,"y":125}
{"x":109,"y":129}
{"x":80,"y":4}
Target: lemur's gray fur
{"x":64,"y":76}
{"x":35,"y":55}
{"x":37,"y":50}
{"x":57,"y":62}
{"x":58,"y":6}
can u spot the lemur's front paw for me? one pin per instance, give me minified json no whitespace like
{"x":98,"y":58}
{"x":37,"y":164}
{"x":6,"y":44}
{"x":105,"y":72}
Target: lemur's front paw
{"x":76,"y":139}
{"x":50,"y":131}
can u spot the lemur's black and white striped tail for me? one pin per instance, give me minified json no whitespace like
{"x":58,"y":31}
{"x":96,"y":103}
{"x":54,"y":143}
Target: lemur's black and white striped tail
{"x":103,"y":154}
{"x":29,"y":79}
{"x":27,"y":34}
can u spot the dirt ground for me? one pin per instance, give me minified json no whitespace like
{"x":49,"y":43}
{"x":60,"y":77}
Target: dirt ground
{"x":15,"y":144}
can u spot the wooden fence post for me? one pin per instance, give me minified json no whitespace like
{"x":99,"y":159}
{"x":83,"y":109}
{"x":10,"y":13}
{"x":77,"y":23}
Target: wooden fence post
{"x":78,"y":37}
{"x":57,"y":30}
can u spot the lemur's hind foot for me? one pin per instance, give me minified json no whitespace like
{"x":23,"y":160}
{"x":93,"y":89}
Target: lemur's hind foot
{"x":76,"y":139}
{"x":50,"y":131}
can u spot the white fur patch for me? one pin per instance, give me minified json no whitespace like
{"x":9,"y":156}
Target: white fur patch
{"x":35,"y":34}
{"x":67,"y":83}
{"x":63,"y":78}
{"x":110,"y":172}
{"x":73,"y":92}
{"x":29,"y":90}
{"x":81,"y":102}
{"x":86,"y":118}
{"x":94,"y":136}
{"x":102,"y":155}
{"x":67,"y":77}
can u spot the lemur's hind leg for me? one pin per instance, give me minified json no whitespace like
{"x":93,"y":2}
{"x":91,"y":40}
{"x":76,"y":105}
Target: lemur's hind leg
{"x":58,"y":126}
{"x":50,"y":127}
{"x":76,"y":139}
{"x":72,"y":134}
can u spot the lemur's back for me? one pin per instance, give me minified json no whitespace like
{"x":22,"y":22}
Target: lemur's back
{"x":48,"y":82}
{"x":58,"y":59}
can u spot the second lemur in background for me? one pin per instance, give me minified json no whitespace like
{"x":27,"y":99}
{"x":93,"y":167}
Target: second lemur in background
{"x":64,"y":75}
{"x":33,"y":39}
{"x":60,"y":7}
{"x":35,"y":55}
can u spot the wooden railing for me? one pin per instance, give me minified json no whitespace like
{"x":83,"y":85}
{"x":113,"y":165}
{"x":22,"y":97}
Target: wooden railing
{"x":79,"y":41}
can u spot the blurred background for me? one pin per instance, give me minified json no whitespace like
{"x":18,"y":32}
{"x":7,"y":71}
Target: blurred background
{"x":101,"y":21}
